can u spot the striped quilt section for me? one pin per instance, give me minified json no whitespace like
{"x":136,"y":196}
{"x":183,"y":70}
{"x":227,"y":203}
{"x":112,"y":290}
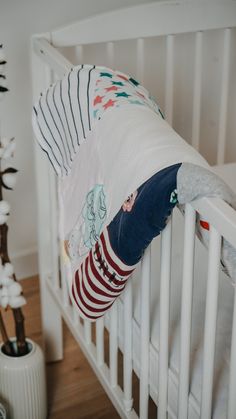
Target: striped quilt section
{"x":99,"y":280}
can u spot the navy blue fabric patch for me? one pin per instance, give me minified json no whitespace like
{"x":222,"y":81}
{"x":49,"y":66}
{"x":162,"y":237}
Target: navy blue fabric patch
{"x":131,"y":231}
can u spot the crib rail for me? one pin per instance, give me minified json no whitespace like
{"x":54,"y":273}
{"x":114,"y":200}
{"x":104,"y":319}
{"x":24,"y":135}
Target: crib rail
{"x":223,"y":217}
{"x":153,"y":19}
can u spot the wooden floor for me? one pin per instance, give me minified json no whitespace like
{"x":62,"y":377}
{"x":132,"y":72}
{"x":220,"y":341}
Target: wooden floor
{"x":73,"y":389}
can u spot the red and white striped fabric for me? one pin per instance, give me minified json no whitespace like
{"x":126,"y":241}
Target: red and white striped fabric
{"x":99,"y":280}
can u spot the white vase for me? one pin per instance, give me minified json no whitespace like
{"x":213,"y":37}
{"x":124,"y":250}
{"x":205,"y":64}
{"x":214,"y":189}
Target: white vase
{"x":23,"y":384}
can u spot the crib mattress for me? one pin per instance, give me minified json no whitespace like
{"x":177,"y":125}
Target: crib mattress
{"x":224,"y":321}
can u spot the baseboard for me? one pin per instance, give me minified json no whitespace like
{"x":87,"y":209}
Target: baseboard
{"x":25,"y":263}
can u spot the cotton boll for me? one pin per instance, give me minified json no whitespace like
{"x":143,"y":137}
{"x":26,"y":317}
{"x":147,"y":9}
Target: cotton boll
{"x":8,"y":269}
{"x":7,"y":281}
{"x":9,"y":179}
{"x":15,"y":289}
{"x":4,"y":207}
{"x":4,"y":297}
{"x":4,"y":301}
{"x":4,"y":292}
{"x":3,"y":218}
{"x":16,"y":302}
{"x":6,"y":273}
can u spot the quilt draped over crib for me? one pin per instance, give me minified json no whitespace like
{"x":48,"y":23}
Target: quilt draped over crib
{"x":121,"y":170}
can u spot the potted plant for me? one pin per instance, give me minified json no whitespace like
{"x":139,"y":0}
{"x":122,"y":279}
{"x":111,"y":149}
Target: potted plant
{"x":22,"y":370}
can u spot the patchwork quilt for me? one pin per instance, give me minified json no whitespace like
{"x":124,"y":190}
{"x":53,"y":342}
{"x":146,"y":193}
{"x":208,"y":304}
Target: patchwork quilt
{"x":121,"y":170}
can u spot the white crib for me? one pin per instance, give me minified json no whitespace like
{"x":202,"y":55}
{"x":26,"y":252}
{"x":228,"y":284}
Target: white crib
{"x":175,"y":325}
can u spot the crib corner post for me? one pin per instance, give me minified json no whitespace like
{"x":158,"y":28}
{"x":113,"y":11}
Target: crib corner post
{"x":51,"y":323}
{"x":50,"y":313}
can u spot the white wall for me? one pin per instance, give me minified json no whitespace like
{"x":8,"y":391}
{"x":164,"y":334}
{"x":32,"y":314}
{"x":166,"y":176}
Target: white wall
{"x":18,"y":21}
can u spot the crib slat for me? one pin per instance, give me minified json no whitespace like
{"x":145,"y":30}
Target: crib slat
{"x":110,"y":54}
{"x":210,"y":322}
{"x":186,"y":310}
{"x":53,"y":212}
{"x":128,"y":334}
{"x":100,"y":341}
{"x":54,"y":229}
{"x":140,"y":60}
{"x":164,"y":321}
{"x":145,"y":334}
{"x":224,"y":98}
{"x":197,"y":87}
{"x":169,"y":83}
{"x":232,"y":376}
{"x":51,"y":315}
{"x":113,"y":344}
{"x":64,"y":271}
{"x":79,"y":54}
{"x":75,"y":317}
{"x":65,"y":274}
{"x":87,"y":332}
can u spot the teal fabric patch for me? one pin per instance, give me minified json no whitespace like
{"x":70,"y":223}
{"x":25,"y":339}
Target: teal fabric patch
{"x":174,"y":197}
{"x":94,"y":215}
